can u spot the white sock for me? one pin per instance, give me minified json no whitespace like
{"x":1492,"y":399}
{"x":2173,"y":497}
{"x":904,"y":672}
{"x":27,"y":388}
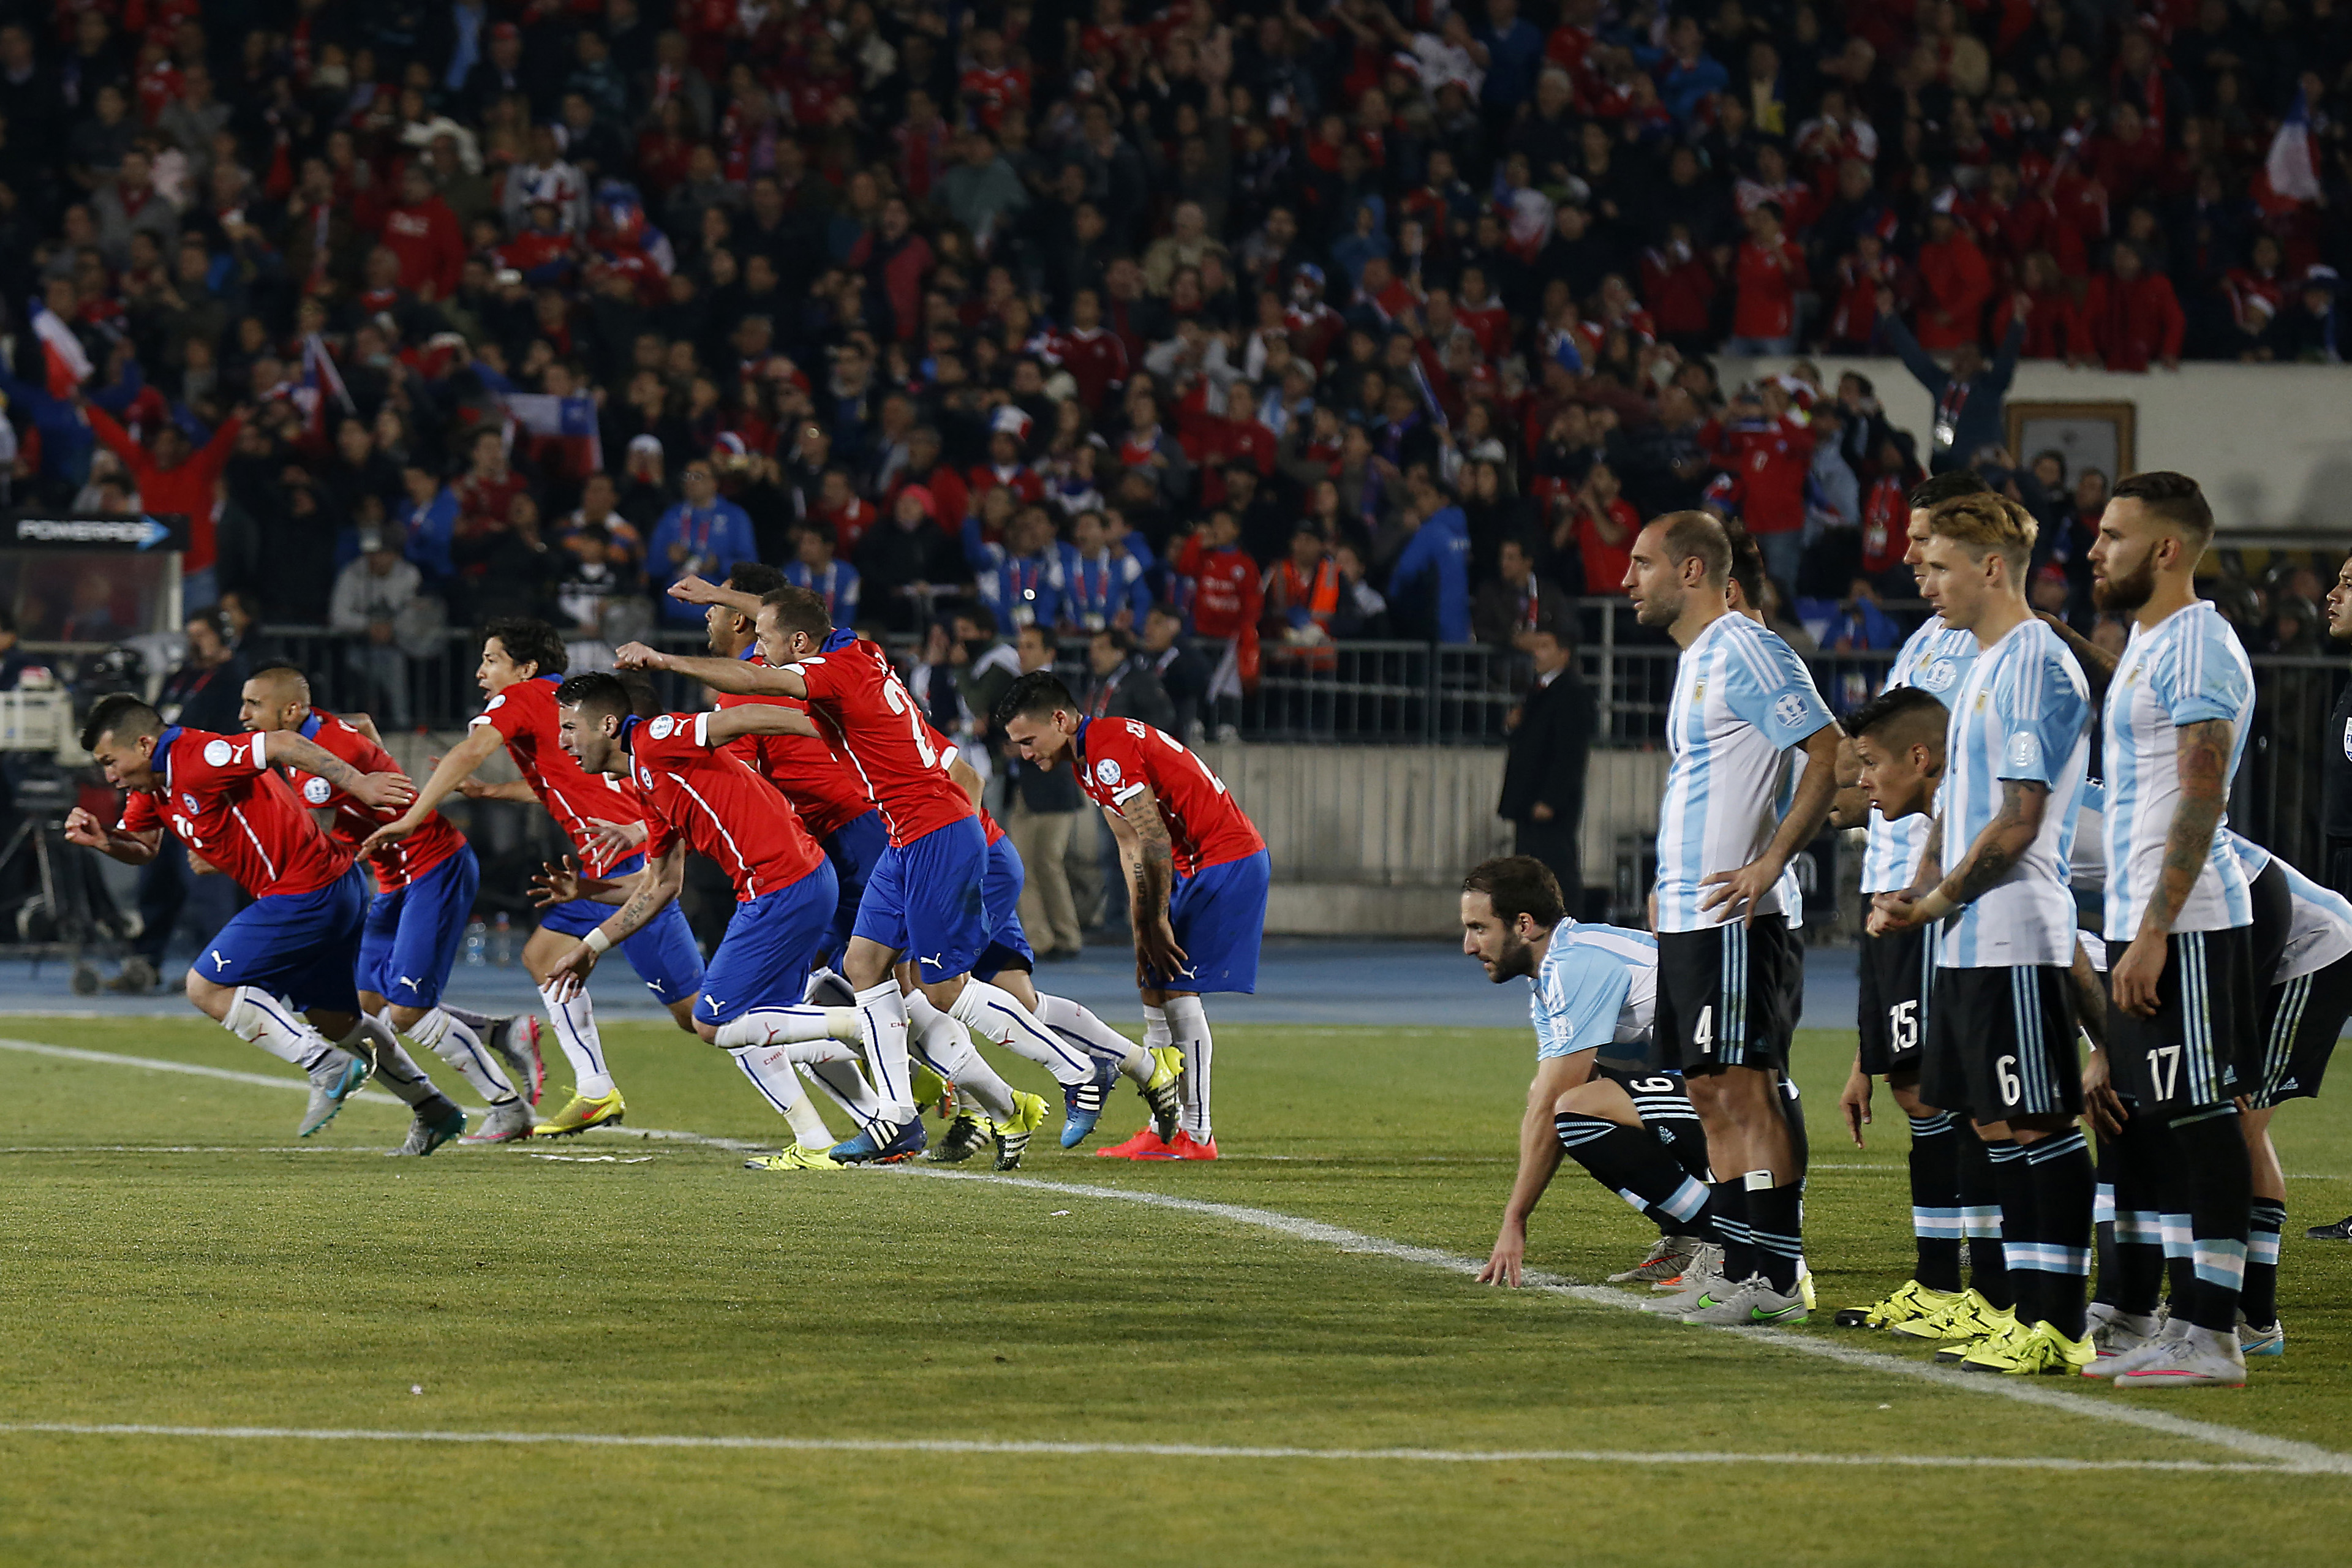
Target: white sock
{"x":884,"y":1012}
{"x":770,"y":1069}
{"x":481,"y":1022}
{"x":1061,"y":1014}
{"x":1155,"y":1029}
{"x":575,"y":1022}
{"x":828,"y":989}
{"x":846,"y":1087}
{"x":448,"y":1037}
{"x":1188,"y":1022}
{"x":255,"y":1017}
{"x":942,"y":1045}
{"x":809,"y":1129}
{"x":394,"y":1067}
{"x":778,"y":1026}
{"x":998,"y":1015}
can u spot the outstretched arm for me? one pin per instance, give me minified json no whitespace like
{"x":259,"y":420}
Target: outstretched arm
{"x":756,"y":719}
{"x":729,"y":675}
{"x":288,"y":747}
{"x":2203,"y":765}
{"x":695,"y":590}
{"x":453,"y":770}
{"x":1539,"y":1157}
{"x":653,"y":886}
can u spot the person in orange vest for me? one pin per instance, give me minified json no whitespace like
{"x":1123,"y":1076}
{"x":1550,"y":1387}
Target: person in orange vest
{"x":1302,"y":596}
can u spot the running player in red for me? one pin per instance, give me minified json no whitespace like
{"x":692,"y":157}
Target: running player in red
{"x":925,"y":897}
{"x":1197,"y":873}
{"x":299,"y":938}
{"x":426,"y":894}
{"x":523,"y":661}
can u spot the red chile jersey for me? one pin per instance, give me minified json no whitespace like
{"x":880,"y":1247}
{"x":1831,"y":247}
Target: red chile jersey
{"x":524,"y":716}
{"x":873,"y":724}
{"x":713,"y":800}
{"x":395,"y":865}
{"x":218,"y":795}
{"x":1116,"y":757}
{"x":824,"y":790}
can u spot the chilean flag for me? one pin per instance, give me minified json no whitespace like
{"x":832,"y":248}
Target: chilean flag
{"x":61,"y":354}
{"x":570,"y":422}
{"x":2293,"y":178}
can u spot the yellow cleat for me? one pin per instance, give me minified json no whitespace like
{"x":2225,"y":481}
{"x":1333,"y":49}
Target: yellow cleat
{"x":581,"y":1114}
{"x":1969,"y":1316}
{"x":1906,"y":1303}
{"x":2046,"y":1353}
{"x":930,"y":1091}
{"x":793,"y":1157}
{"x":1012,"y":1136}
{"x":1995,"y":1352}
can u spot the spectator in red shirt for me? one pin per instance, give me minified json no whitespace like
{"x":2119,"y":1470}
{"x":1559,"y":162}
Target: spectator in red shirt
{"x":1955,"y":281}
{"x":2129,"y":316}
{"x":1604,"y":524}
{"x":425,"y":234}
{"x":1227,"y":601}
{"x":1769,"y":450}
{"x":1096,"y":358}
{"x":1680,"y":287}
{"x":1767,"y":274}
{"x":2046,"y":306}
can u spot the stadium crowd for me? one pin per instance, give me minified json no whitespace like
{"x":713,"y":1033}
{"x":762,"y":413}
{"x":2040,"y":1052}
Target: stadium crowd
{"x":1302,"y":324}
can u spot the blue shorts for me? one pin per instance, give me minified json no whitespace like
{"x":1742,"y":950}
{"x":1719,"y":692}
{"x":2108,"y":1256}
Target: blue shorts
{"x":412,"y":932}
{"x":854,"y":848}
{"x":304,"y":947}
{"x":999,"y":890}
{"x":663,"y":953}
{"x":771,"y":943}
{"x":924,"y":900}
{"x":1219,"y":914}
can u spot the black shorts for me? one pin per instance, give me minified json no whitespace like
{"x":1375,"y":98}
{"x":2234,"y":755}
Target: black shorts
{"x":2300,"y":1022}
{"x":1659,"y":1097}
{"x":2204,"y":1045}
{"x":2001,"y":1043}
{"x":1727,"y":996}
{"x":2274,"y":920}
{"x":1896,"y":972}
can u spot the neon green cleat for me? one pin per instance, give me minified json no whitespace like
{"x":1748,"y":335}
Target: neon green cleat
{"x":2046,"y":1353}
{"x":1969,"y":1316}
{"x":792,"y":1157}
{"x":930,"y":1090}
{"x":1163,"y":1093}
{"x":1012,"y":1137}
{"x":1906,"y":1303}
{"x":1995,"y":1352}
{"x":581,"y":1114}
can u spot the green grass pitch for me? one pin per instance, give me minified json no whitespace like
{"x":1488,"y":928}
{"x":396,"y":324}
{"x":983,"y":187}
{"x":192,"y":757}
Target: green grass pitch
{"x":241,"y":1284}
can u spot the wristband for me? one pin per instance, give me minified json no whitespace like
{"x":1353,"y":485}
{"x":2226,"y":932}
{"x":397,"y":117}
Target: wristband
{"x":597,"y":941}
{"x":1936,"y":906}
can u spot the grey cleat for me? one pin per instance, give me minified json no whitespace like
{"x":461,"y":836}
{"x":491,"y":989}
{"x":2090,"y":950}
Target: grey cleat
{"x":335,"y":1079}
{"x":439,"y":1120}
{"x":507,"y":1123}
{"x":1704,"y":1274}
{"x":515,"y":1041}
{"x":1752,"y":1303}
{"x":1667,"y":1260}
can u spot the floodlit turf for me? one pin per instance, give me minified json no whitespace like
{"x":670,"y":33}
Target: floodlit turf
{"x":490,"y":1290}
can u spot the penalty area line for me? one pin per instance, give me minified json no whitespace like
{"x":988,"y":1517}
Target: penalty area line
{"x":1017,"y":1449}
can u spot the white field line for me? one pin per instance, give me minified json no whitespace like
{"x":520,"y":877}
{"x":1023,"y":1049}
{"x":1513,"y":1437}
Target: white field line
{"x":2116,"y":1406}
{"x":1142,"y":1450}
{"x":158,"y":1064}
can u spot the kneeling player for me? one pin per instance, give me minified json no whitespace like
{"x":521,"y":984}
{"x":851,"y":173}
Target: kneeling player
{"x":299,"y":938}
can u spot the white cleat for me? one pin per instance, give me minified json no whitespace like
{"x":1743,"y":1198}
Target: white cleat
{"x":2194,"y":1358}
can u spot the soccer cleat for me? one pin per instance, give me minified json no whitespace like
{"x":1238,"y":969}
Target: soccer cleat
{"x":1906,"y":1301}
{"x":1968,"y":1317}
{"x":335,"y":1079}
{"x":1145,"y":1145}
{"x":437,"y":1122}
{"x":792,"y":1157}
{"x":1667,"y":1258}
{"x":883,"y":1144}
{"x":1012,"y":1137}
{"x":1702,"y":1282}
{"x":1165,"y":1095}
{"x":1995,"y":1352}
{"x":515,"y":1041}
{"x":507,"y":1123}
{"x":1996,"y":1326}
{"x":2195,"y":1358}
{"x":2123,"y":1342}
{"x":966,"y":1136}
{"x":928,"y":1087}
{"x":2340,"y":1231}
{"x":1183,"y":1146}
{"x":2254,"y":1339}
{"x":2046,"y":1353}
{"x":1083,"y":1104}
{"x":1707,"y":1259}
{"x":1753,"y":1302}
{"x":581,"y":1114}
{"x":1805,"y":1286}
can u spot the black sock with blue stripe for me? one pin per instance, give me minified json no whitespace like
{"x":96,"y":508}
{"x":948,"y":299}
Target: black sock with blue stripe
{"x":2259,"y":1302}
{"x":2013,"y":1198}
{"x":2220,"y":1177}
{"x":2064,"y":1183}
{"x":1936,"y":1200}
{"x":1631,"y":1163}
{"x":1776,"y":1228}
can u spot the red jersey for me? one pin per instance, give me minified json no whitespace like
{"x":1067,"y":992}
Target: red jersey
{"x":824,"y":790}
{"x":1028,"y":488}
{"x":524,"y":717}
{"x":873,"y":726}
{"x":722,"y":809}
{"x":1772,"y":458}
{"x":1767,"y":283}
{"x":990,"y":832}
{"x":1095,"y":360}
{"x":1116,"y":757}
{"x":220,"y":797}
{"x":395,"y":865}
{"x":1226,"y":594}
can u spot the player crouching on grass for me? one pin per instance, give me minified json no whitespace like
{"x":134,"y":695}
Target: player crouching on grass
{"x":299,"y":939}
{"x":1594,"y":986}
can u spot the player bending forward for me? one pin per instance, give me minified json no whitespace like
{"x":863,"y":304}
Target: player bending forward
{"x":1196,"y":873}
{"x":221,"y":797}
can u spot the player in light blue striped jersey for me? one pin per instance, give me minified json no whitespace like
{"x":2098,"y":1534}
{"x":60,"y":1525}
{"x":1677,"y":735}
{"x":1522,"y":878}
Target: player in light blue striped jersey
{"x":1728,"y":962}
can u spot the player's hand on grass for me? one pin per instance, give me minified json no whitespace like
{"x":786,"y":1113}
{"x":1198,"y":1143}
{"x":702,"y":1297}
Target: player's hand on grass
{"x":570,"y":973}
{"x":694,"y":590}
{"x":615,"y":838}
{"x":393,"y":832}
{"x":84,"y":829}
{"x":1854,"y":1103}
{"x":2100,"y":1102}
{"x":1735,"y":892}
{"x":556,"y":883}
{"x":636,"y":655}
{"x":2131,"y":983}
{"x":1156,"y":948}
{"x":384,"y":790}
{"x":1510,"y":1253}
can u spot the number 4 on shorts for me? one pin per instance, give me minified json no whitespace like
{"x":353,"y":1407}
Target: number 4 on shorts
{"x":1703,"y":1030}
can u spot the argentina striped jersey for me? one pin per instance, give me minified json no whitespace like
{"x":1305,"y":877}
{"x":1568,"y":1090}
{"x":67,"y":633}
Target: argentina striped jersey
{"x":1936,"y":659}
{"x":2185,"y":670}
{"x":2024,"y":712}
{"x":1742,"y":698}
{"x":1596,"y":985}
{"x":2318,"y":932}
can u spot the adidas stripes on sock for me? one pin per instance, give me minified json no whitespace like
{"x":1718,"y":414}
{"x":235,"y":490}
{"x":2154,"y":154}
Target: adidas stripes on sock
{"x":1981,"y":1218}
{"x":574,"y":1026}
{"x":2058,"y":1169}
{"x":2013,"y":1202}
{"x":2267,"y":1218}
{"x":1632,"y":1165}
{"x":1936,"y":1200}
{"x":2131,"y":1262}
{"x":2220,"y":1177}
{"x":1727,"y":1202}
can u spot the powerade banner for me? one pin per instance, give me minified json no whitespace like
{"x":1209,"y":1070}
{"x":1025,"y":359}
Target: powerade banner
{"x":132,"y":531}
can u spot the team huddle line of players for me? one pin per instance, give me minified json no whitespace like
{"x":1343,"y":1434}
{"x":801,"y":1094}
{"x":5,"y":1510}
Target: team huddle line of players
{"x":2209,"y":987}
{"x":876,"y":927}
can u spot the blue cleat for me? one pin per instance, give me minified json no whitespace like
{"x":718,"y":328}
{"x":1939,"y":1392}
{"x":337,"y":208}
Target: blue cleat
{"x":1083,"y":1104}
{"x":903,"y":1142}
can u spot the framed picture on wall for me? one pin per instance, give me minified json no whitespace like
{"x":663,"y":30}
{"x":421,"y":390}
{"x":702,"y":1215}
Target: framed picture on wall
{"x":2086,"y":434}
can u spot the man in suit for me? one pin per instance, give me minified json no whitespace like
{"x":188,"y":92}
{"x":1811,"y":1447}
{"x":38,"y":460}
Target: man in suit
{"x":1543,"y":779}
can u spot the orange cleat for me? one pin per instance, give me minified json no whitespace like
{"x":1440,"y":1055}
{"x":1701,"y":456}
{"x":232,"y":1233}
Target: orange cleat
{"x":1145,"y":1145}
{"x":1184,"y":1146}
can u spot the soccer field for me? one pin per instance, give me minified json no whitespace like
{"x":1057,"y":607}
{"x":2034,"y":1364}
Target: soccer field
{"x":222,"y":1346}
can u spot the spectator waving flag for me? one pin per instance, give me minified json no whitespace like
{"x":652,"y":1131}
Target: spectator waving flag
{"x":2293,"y":178}
{"x":571,"y":422}
{"x":61,"y":354}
